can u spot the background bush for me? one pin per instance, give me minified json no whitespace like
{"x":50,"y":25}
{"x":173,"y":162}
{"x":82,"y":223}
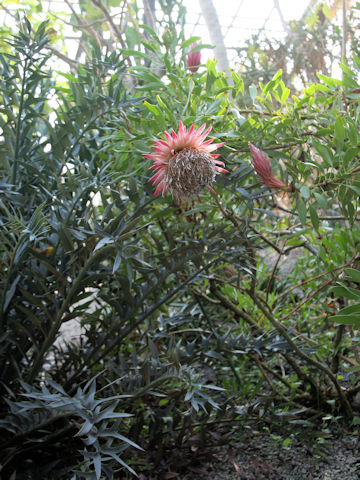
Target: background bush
{"x":191,"y":319}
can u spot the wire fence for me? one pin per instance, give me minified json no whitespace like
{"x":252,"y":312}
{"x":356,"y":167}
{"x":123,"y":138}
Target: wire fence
{"x":239,"y":20}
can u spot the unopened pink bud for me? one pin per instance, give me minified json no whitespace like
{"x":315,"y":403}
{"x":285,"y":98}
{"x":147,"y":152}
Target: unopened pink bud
{"x":193,"y":59}
{"x":262,"y":167}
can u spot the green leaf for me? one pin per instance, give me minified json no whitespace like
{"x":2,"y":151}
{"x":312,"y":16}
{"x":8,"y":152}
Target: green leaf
{"x":356,"y":421}
{"x":347,"y":70}
{"x":353,"y":132}
{"x":305,"y":192}
{"x":104,"y":241}
{"x":355,"y":189}
{"x":356,"y":61}
{"x":151,"y":46}
{"x":339,"y":130}
{"x":133,"y":38}
{"x":253,"y":92}
{"x":238,"y":82}
{"x":153,"y":109}
{"x":133,"y":53}
{"x":350,"y":154}
{"x":314,"y":217}
{"x":345,"y":291}
{"x":109,"y":433}
{"x":150,"y":31}
{"x":117,"y":262}
{"x":165,"y":107}
{"x":189,"y":41}
{"x":301,"y":208}
{"x":284,"y":95}
{"x":347,"y":319}
{"x":351,"y":309}
{"x":353,"y":274}
{"x":68,"y":76}
{"x":10,"y":293}
{"x":268,"y":88}
{"x":331,"y":82}
{"x":322,"y":201}
{"x":325,"y":152}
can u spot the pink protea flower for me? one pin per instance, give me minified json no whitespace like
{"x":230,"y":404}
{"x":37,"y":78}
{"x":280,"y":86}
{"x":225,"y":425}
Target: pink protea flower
{"x":262,"y":167}
{"x":193,"y":59}
{"x":184,"y":164}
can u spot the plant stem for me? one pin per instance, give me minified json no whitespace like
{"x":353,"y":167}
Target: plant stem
{"x":213,"y":329}
{"x":238,"y":311}
{"x":49,"y":340}
{"x":125,"y":332}
{"x":309,"y":297}
{"x":319,"y":366}
{"x":325,"y":284}
{"x":304,"y":282}
{"x":18,"y":124}
{"x":6,"y":286}
{"x":340,"y":330}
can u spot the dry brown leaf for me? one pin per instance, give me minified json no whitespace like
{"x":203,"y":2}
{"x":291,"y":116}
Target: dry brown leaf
{"x":168,"y":475}
{"x":232,"y":460}
{"x":198,"y":470}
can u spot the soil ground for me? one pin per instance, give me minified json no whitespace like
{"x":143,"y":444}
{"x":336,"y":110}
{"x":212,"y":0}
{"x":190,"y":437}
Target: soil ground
{"x":264,"y":459}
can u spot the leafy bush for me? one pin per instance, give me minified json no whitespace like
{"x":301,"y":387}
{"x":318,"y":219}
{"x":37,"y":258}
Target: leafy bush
{"x":190,"y":317}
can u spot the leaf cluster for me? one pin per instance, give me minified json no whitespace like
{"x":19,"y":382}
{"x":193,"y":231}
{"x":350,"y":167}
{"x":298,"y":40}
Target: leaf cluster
{"x":192,"y":318}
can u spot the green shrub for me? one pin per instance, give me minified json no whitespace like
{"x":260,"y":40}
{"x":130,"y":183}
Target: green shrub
{"x":187,"y":322}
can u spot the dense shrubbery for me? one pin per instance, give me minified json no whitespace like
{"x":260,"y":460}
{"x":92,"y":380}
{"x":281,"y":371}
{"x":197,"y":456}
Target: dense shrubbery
{"x":188,"y":323}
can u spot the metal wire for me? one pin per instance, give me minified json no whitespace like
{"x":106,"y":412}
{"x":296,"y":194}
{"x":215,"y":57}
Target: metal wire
{"x":230,"y":24}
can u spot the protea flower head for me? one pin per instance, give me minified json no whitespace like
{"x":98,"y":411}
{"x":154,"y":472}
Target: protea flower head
{"x":262,"y":167}
{"x":193,"y":59}
{"x":184,"y":164}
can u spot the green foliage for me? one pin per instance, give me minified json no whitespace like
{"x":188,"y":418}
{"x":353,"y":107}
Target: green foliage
{"x":192,"y":316}
{"x":310,"y":48}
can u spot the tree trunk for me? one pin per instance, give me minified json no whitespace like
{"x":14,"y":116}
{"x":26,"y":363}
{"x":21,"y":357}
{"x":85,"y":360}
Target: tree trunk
{"x":216,"y":36}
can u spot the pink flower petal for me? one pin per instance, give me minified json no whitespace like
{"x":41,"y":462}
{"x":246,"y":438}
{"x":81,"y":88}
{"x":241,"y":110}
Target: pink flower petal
{"x":182,"y":178}
{"x":158,"y":190}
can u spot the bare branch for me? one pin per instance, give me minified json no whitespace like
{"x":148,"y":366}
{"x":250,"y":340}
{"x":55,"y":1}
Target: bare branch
{"x":9,"y":12}
{"x":108,"y":17}
{"x":73,"y":63}
{"x":83,"y":25}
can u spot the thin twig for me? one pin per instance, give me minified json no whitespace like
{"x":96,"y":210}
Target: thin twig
{"x":89,"y":29}
{"x":316,"y":277}
{"x":282,"y":19}
{"x":309,"y":297}
{"x":7,"y":10}
{"x":318,"y":365}
{"x":108,"y":17}
{"x":331,"y":272}
{"x":226,"y":354}
{"x":76,"y":25}
{"x":266,"y":240}
{"x":278,"y":376}
{"x":265,"y":375}
{"x":73,"y":63}
{"x":230,"y":305}
{"x":351,"y":362}
{"x":329,"y":218}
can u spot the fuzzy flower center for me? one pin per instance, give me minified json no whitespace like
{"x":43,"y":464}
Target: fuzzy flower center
{"x":189,"y":171}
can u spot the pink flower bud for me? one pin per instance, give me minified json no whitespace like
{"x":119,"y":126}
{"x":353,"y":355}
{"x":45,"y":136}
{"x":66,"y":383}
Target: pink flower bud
{"x":193,"y":59}
{"x":262,"y":167}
